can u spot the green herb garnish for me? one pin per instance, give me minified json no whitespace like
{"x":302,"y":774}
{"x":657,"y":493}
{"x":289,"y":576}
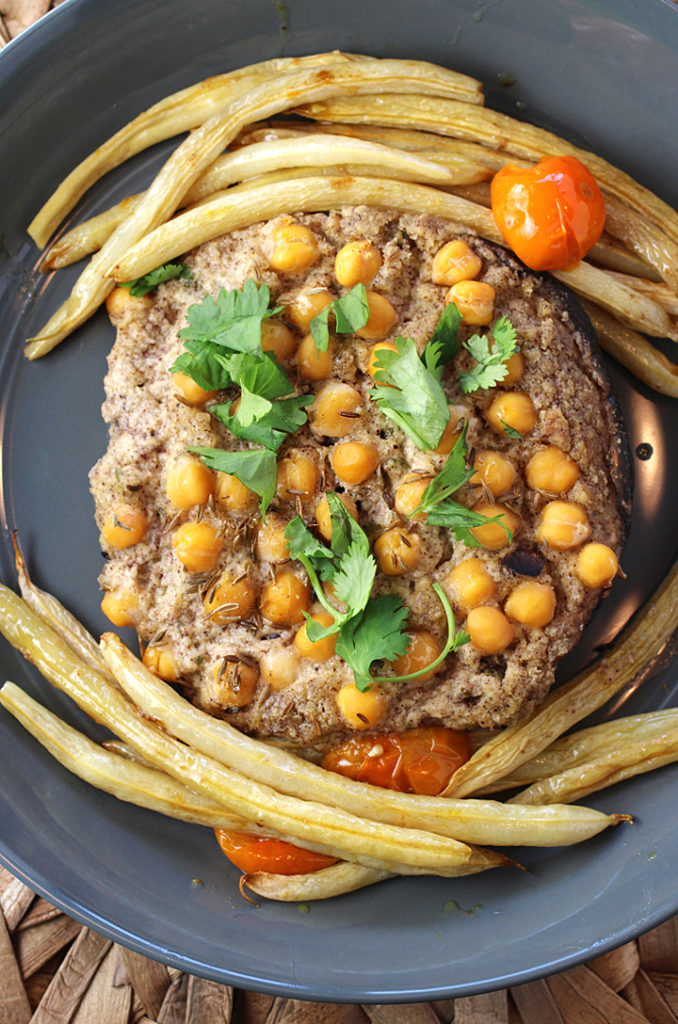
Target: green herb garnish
{"x":256,"y":468}
{"x":490,"y":368}
{"x":149,"y":282}
{"x":351,"y":312}
{"x":415,"y":399}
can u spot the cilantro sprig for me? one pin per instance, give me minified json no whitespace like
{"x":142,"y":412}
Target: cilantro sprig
{"x":351,"y":312}
{"x":367,"y":629}
{"x":490,"y":356}
{"x":149,"y":282}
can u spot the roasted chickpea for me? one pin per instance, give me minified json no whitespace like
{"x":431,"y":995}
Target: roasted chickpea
{"x":494,"y":471}
{"x":515,"y":368}
{"x":313,"y":364}
{"x":277,"y":338}
{"x":307,"y":305}
{"x":125,"y":526}
{"x":423,"y":650}
{"x":119,"y":606}
{"x":493,"y":536}
{"x":160,"y":661}
{"x":188,"y":482}
{"x":357,"y":263}
{"x":320,"y":650}
{"x":232,"y":495}
{"x":596,"y":565}
{"x":198,"y":546}
{"x":474,"y":300}
{"x":285,"y":599}
{"x":455,"y":262}
{"x":489,"y":629}
{"x":354,"y":462}
{"x":381,"y":319}
{"x":120,"y":304}
{"x":234,"y":684}
{"x":409,"y":493}
{"x":293,"y":248}
{"x":190,"y":391}
{"x":564,"y":525}
{"x":452,"y":432}
{"x":381,"y":346}
{"x":471,"y":583}
{"x":279,"y":667}
{"x":335,"y":411}
{"x":512,"y":409}
{"x":531,"y":603}
{"x":361,"y":710}
{"x":272,"y":545}
{"x":229,"y":600}
{"x":397,"y":551}
{"x":298,"y":476}
{"x":323,"y":517}
{"x":551,"y":470}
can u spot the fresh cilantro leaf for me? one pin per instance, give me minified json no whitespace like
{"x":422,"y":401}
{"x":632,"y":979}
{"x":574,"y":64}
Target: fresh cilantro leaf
{"x":376,"y":635}
{"x":354,"y":578}
{"x":460,"y":520}
{"x":415,"y":400}
{"x":149,"y":282}
{"x":302,"y":543}
{"x":351,"y":313}
{"x":444,"y":342}
{"x":233,"y":320}
{"x":511,"y":431}
{"x":345,"y":530}
{"x":490,"y":357}
{"x":256,"y":468}
{"x":284,"y":417}
{"x":206,"y":364}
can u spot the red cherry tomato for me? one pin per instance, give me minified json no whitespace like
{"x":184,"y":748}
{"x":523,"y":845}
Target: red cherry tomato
{"x":551,"y":215}
{"x":417,"y":761}
{"x":258,"y":853}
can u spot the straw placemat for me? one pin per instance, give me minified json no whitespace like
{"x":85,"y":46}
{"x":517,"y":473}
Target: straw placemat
{"x":56,"y":971}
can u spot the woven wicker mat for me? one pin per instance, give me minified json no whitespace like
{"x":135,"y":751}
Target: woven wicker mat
{"x":55,"y":971}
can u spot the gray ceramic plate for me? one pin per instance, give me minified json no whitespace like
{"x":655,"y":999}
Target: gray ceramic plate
{"x":588,"y":68}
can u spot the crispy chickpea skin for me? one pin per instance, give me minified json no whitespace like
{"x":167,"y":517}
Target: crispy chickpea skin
{"x":471,"y":583}
{"x":160,"y":661}
{"x":423,"y":650}
{"x":489,"y":629}
{"x":455,"y":262}
{"x":398,"y":552}
{"x":531,"y":603}
{"x":125,"y":526}
{"x":596,"y":565}
{"x":323,"y":517}
{"x":357,"y":263}
{"x":361,"y":710}
{"x":285,"y":599}
{"x":294,"y":247}
{"x":382,"y":317}
{"x":298,"y":476}
{"x":474,"y":300}
{"x":198,"y":546}
{"x":551,"y":470}
{"x":564,"y":525}
{"x":229,"y":600}
{"x":354,"y":462}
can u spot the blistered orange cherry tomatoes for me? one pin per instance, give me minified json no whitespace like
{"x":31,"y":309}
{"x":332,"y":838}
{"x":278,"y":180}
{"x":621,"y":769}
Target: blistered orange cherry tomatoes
{"x":552,"y":214}
{"x":258,"y":853}
{"x":417,"y":761}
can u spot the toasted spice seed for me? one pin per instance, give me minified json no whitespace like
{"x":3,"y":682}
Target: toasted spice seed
{"x":362,"y":717}
{"x":403,"y":564}
{"x":404,"y":539}
{"x":349,"y":415}
{"x":122,"y":526}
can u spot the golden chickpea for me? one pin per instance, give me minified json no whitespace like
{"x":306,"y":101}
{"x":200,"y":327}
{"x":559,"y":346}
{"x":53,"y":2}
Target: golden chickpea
{"x":294,"y":248}
{"x":493,"y":536}
{"x":277,"y":338}
{"x":120,"y":304}
{"x":320,"y":650}
{"x":361,"y":710}
{"x":474,"y":300}
{"x":119,"y":606}
{"x":423,"y":650}
{"x":279,"y":667}
{"x":382,"y":317}
{"x":564,"y":525}
{"x":531,"y":603}
{"x":306,"y":305}
{"x":198,"y":546}
{"x":336,"y":410}
{"x":125,"y":526}
{"x":357,"y":263}
{"x":409,"y":493}
{"x":324,"y":519}
{"x":512,"y":409}
{"x":551,"y":470}
{"x":234,"y":684}
{"x":271,"y":544}
{"x":229,"y":600}
{"x":515,"y":368}
{"x":471,"y":583}
{"x":160,"y":661}
{"x":494,"y":471}
{"x":232,"y":495}
{"x":298,"y":476}
{"x":190,"y":391}
{"x":455,"y":262}
{"x":312,"y":364}
{"x":452,"y":432}
{"x":354,"y":462}
{"x":285,"y":599}
{"x":489,"y":629}
{"x":596,"y":565}
{"x":397,"y":551}
{"x":381,"y":346}
{"x":188,"y":482}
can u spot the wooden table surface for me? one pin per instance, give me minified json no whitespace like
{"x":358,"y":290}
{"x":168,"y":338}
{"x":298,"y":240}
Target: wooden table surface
{"x":55,"y":971}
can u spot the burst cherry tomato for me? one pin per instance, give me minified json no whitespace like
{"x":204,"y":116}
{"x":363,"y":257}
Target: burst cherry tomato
{"x":551,"y":215}
{"x":258,"y":853}
{"x":417,"y":761}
